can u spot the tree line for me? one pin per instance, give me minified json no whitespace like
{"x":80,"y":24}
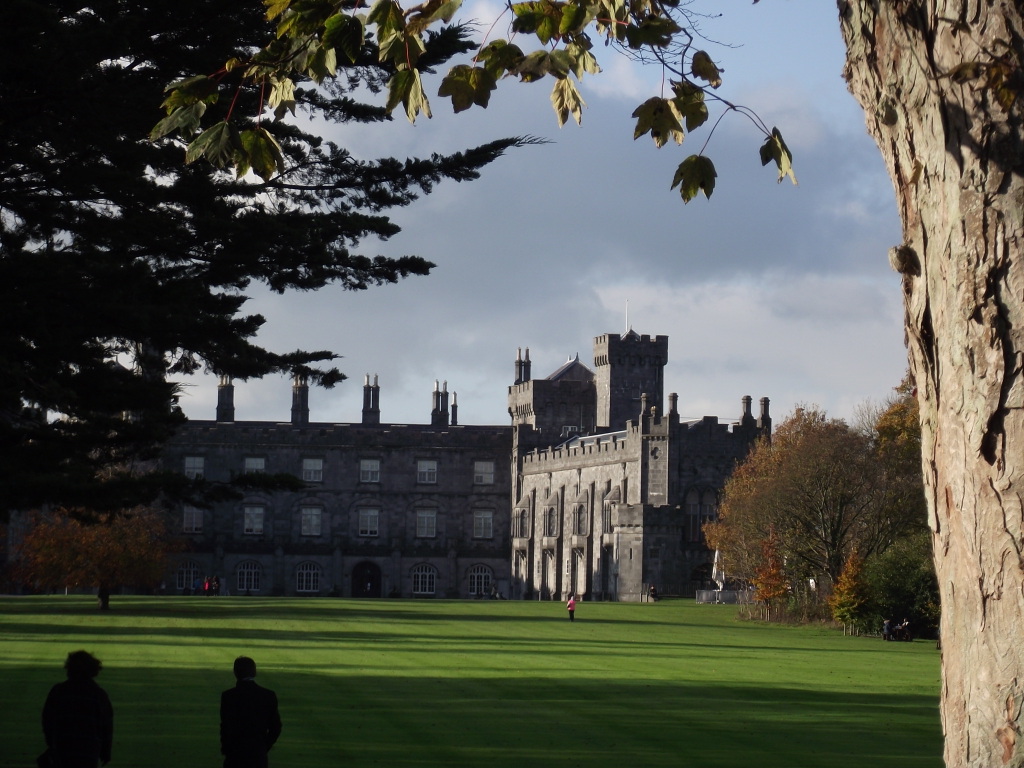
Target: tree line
{"x":825,"y":519}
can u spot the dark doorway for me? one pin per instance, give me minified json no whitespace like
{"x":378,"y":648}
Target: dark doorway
{"x":366,"y":580}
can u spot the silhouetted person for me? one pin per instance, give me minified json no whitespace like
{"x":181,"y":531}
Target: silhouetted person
{"x":78,"y":720}
{"x":249,"y":720}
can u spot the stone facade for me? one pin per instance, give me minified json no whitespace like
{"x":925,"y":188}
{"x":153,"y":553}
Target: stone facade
{"x":402,"y":510}
{"x":605,"y":513}
{"x":595,"y":489}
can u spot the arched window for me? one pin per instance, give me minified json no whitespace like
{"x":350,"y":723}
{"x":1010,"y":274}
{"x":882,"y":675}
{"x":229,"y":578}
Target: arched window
{"x":424,"y":579}
{"x":522,"y":525}
{"x":187,"y":576}
{"x":579,"y":520}
{"x":550,"y":522}
{"x":708,"y":510}
{"x":307,"y":578}
{"x":480,"y":578}
{"x":248,"y":577}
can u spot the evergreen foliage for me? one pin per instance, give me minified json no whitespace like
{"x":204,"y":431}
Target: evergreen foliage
{"x":122,"y":268}
{"x":901,"y":583}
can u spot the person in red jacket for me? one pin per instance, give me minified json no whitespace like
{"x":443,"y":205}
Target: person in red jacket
{"x":250,"y":723}
{"x":78,"y":720}
{"x":571,"y":605}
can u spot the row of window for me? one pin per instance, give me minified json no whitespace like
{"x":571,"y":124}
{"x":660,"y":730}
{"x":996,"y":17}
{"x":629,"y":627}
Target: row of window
{"x":696,"y":516}
{"x":551,"y":520}
{"x":369,"y":469}
{"x":308,"y":578}
{"x":311,"y":521}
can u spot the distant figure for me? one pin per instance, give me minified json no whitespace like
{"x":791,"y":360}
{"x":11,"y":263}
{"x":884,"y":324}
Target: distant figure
{"x":653,"y":594}
{"x":78,"y":720}
{"x":571,"y":605}
{"x":249,"y":720}
{"x":887,"y":629}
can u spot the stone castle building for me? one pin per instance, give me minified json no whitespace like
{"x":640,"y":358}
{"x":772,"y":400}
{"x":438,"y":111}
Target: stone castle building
{"x":594,"y":489}
{"x":612,"y":488}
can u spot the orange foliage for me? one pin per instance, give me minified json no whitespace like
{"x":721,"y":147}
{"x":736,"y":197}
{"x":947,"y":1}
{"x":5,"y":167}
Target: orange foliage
{"x":128,"y":548}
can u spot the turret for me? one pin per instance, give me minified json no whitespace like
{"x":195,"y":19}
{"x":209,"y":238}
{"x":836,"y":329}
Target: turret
{"x":628,"y":366}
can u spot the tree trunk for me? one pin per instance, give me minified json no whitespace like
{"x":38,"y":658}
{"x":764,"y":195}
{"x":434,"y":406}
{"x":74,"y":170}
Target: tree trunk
{"x":927,"y":73}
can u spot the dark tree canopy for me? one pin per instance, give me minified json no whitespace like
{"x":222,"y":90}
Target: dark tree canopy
{"x":121,"y":267}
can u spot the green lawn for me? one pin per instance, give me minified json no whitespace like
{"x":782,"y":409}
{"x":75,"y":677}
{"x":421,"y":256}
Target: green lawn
{"x":474,"y":684}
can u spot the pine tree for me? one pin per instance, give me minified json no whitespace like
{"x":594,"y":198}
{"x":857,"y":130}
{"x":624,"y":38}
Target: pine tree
{"x":122,"y":268}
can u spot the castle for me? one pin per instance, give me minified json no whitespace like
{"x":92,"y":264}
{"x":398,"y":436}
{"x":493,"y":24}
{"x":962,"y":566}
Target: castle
{"x":595,"y":489}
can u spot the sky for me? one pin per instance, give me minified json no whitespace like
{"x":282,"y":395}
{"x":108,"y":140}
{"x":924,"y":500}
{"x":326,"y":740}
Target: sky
{"x":767,"y":289}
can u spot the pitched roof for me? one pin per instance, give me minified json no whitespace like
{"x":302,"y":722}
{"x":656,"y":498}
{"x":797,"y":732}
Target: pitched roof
{"x":572,"y":370}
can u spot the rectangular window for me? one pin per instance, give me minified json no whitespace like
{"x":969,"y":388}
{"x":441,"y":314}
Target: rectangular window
{"x":369,"y":471}
{"x":195,"y":467}
{"x":369,"y":522}
{"x":312,"y":518}
{"x":254,"y":520}
{"x":426,"y":524}
{"x":313,"y":470}
{"x":426,"y":471}
{"x":193,"y":520}
{"x":483,"y":524}
{"x":254,"y":464}
{"x":483,"y":472}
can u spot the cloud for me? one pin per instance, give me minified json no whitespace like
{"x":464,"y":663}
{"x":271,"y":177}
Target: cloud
{"x":767,"y":289}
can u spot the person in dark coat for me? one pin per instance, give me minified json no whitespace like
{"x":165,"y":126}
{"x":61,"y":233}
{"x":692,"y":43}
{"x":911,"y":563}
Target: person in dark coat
{"x":78,"y":720}
{"x":250,"y":723}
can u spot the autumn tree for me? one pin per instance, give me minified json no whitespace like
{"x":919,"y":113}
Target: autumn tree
{"x":849,"y":595}
{"x":769,"y":575}
{"x":818,"y":484}
{"x":127,"y":548}
{"x":122,"y":269}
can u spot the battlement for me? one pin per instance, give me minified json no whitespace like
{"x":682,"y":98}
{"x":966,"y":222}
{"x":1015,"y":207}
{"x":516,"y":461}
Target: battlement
{"x":618,"y":349}
{"x":599,"y":448}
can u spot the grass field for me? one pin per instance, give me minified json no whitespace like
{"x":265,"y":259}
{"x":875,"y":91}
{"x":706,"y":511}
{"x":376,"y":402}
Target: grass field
{"x":481,"y":684}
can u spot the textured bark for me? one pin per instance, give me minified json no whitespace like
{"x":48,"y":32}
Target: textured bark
{"x":956,"y":156}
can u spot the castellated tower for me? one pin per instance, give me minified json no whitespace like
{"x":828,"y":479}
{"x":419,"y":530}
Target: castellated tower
{"x":628,"y":367}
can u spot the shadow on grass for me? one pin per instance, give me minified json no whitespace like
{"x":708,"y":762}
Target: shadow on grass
{"x":168,"y":718}
{"x":388,"y":683}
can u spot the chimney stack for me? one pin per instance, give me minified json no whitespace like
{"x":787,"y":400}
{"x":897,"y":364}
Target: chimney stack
{"x":225,"y":399}
{"x":371,"y":400}
{"x":300,"y":400}
{"x":765,"y":420}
